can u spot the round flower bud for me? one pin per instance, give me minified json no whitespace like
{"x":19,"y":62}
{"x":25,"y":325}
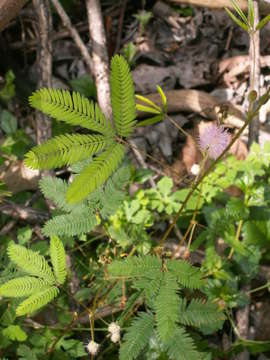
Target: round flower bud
{"x":92,"y":347}
{"x":195,"y":169}
{"x":115,"y":337}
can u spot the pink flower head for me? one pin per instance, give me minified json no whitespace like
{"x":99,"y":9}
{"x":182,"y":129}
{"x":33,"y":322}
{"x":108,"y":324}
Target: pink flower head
{"x":214,"y":139}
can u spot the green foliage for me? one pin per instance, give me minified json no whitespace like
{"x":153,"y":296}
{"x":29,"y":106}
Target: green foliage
{"x":161,"y":283}
{"x":73,"y":109}
{"x":8,"y":91}
{"x":64,"y":150}
{"x":81,"y":218}
{"x":30,"y":262}
{"x":37,"y":300}
{"x":68,"y":149}
{"x":186,"y":274}
{"x":58,"y":259}
{"x":143,"y":266}
{"x":122,"y":97}
{"x":180,"y":346}
{"x":95,"y":174}
{"x":137,"y":336}
{"x":23,"y":286}
{"x":8,"y":122}
{"x":167,"y":306}
{"x":15,"y":332}
{"x":198,"y":312}
{"x":41,"y":287}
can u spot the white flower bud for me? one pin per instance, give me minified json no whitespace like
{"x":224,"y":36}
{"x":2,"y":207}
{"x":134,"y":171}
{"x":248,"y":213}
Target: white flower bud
{"x":195,"y":169}
{"x":114,"y":330}
{"x":115,"y":337}
{"x":93,"y":348}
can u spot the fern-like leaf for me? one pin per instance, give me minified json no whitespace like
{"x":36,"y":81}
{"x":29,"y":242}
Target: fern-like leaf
{"x":30,"y":262}
{"x":186,"y":274}
{"x":137,"y":336}
{"x":58,"y":259}
{"x":181,"y":346}
{"x":23,"y":286}
{"x":150,"y":287}
{"x":36,"y":301}
{"x":77,"y":222}
{"x":136,"y":267}
{"x":55,"y":190}
{"x":167,"y":307}
{"x":114,"y":194}
{"x":64,"y":150}
{"x":95,"y":174}
{"x":199,"y":313}
{"x":122,"y":96}
{"x":73,"y":109}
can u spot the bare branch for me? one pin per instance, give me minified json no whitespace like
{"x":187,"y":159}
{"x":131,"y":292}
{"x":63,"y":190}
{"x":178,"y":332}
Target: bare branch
{"x":99,"y":55}
{"x":23,"y":213}
{"x":44,"y":60}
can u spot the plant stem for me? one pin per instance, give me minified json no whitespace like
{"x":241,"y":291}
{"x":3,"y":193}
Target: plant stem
{"x":265,"y":286}
{"x":250,"y":115}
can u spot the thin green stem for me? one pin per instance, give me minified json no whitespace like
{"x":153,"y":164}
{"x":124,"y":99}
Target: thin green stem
{"x":265,"y":286}
{"x":250,"y":116}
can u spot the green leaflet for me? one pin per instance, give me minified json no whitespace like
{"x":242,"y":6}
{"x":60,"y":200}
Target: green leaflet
{"x":73,"y":109}
{"x":67,"y":149}
{"x":95,"y":174}
{"x":137,"y":336}
{"x":167,"y":305}
{"x":55,"y":189}
{"x":30,"y":262}
{"x":77,"y":222}
{"x":141,"y":266}
{"x":186,"y":274}
{"x":64,"y":150}
{"x":199,"y":312}
{"x":40,"y":288}
{"x":22,"y":286}
{"x":122,"y":97}
{"x":181,"y":346}
{"x":58,"y":259}
{"x":36,"y":301}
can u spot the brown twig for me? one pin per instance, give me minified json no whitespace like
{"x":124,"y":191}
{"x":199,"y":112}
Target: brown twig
{"x":120,"y":26}
{"x":73,"y":32}
{"x":99,"y":55}
{"x":31,"y":44}
{"x":254,"y":54}
{"x":23,"y":213}
{"x":44,"y":60}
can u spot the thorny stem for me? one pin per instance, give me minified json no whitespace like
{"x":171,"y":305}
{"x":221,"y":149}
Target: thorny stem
{"x":193,"y":221}
{"x":250,"y":114}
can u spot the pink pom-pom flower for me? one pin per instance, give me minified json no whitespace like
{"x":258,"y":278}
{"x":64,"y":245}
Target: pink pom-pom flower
{"x":214,"y":140}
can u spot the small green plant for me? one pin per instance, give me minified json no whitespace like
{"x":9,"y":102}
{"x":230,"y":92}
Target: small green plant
{"x":76,"y":219}
{"x":41,"y":282}
{"x":160,"y":283}
{"x":71,"y":148}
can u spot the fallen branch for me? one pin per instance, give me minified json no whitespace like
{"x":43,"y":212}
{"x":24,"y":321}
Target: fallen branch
{"x":23,"y":213}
